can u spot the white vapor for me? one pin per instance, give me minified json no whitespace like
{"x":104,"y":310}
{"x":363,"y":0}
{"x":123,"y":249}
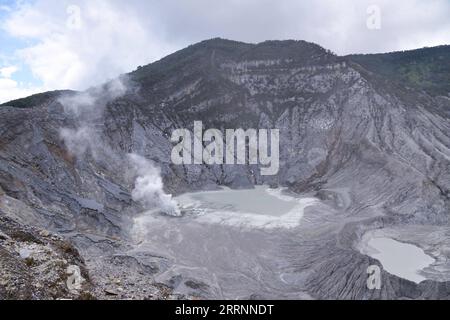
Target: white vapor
{"x":80,"y":140}
{"x":148,"y":187}
{"x":87,"y":110}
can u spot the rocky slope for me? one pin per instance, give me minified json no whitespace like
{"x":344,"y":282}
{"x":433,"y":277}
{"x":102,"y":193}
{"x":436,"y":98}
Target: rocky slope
{"x":375,"y":152}
{"x":34,"y":264}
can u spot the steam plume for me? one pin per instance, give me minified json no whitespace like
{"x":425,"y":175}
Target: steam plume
{"x":87,"y":110}
{"x":148,"y":187}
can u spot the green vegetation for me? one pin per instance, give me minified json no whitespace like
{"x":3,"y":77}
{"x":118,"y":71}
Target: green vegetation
{"x":427,"y":69}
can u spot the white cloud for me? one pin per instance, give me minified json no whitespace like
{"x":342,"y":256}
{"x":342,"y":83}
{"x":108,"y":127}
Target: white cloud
{"x":7,"y":84}
{"x":111,"y":39}
{"x":5,"y":8}
{"x":7,"y":72}
{"x":29,"y":21}
{"x":114,"y":36}
{"x":11,"y":89}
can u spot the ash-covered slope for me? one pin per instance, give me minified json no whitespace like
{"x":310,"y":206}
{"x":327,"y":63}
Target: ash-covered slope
{"x":376,"y":153}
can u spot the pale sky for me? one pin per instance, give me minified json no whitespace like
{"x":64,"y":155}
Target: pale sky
{"x":74,"y":44}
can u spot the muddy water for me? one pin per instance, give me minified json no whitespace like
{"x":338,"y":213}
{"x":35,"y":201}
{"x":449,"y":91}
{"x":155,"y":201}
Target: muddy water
{"x":227,"y":243}
{"x":261,"y":201}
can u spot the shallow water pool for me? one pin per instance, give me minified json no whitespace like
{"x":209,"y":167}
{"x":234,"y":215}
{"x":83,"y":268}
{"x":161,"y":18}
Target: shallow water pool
{"x":401,"y":259}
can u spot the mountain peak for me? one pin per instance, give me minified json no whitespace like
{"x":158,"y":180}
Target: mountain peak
{"x":217,"y":50}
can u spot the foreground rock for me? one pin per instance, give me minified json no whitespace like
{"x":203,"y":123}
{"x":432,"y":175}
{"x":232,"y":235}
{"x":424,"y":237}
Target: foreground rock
{"x":34,"y":264}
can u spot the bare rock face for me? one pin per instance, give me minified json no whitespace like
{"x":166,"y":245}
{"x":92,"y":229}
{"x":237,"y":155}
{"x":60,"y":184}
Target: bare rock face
{"x":377,"y":154}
